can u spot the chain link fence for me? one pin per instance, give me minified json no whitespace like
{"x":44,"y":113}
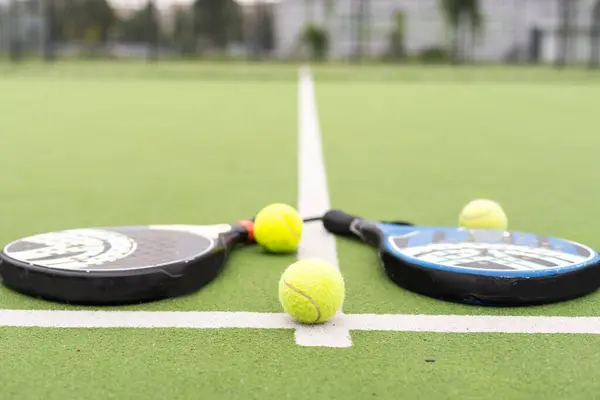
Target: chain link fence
{"x":560,"y":32}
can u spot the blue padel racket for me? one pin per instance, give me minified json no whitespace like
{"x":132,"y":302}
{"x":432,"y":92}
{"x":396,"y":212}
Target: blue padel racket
{"x":476,"y":266}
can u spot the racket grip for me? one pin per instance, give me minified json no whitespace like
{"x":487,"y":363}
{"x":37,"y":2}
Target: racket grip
{"x":339,"y":222}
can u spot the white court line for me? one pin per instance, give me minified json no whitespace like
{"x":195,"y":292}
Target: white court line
{"x":313,"y":200}
{"x":359,"y":322}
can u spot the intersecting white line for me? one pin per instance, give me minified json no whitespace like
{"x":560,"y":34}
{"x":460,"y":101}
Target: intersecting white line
{"x":313,"y":200}
{"x":253,"y":320}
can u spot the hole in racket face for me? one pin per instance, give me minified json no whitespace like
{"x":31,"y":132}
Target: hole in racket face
{"x":115,"y":248}
{"x":489,"y":252}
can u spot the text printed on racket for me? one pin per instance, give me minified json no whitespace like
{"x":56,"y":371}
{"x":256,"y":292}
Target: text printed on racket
{"x":73,"y":249}
{"x":494,"y":256}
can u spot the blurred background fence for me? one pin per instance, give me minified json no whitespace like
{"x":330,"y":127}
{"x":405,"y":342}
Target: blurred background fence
{"x":558,"y":32}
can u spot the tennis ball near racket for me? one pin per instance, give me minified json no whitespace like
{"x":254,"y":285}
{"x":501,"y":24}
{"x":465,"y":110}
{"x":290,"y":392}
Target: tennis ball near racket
{"x":311,"y":290}
{"x":278,"y":228}
{"x":483,"y":214}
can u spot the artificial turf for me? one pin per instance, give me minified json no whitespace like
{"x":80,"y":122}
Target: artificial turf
{"x":114,"y":144}
{"x":266,"y":364}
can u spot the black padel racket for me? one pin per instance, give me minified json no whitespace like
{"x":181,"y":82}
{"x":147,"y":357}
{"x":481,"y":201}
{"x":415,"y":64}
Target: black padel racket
{"x":476,"y":266}
{"x":121,"y":265}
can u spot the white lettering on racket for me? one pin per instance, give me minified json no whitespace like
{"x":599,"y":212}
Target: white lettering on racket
{"x":512,"y":256}
{"x":75,"y":249}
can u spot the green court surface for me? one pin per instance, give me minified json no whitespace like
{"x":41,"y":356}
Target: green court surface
{"x":116,"y":144}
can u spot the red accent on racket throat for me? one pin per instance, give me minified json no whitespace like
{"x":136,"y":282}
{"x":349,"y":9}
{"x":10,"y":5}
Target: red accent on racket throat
{"x":249,"y":225}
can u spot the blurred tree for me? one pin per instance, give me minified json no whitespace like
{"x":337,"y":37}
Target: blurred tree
{"x":462,"y":16}
{"x":265,"y":27}
{"x":259,"y":31}
{"x":76,"y":19}
{"x":310,"y":36}
{"x":360,"y":27}
{"x":183,"y":30}
{"x":595,"y":36}
{"x":97,"y":15}
{"x":153,"y":33}
{"x":55,"y":14}
{"x":396,"y":50}
{"x":315,"y":39}
{"x":47,"y":8}
{"x":218,"y":21}
{"x":565,"y":31}
{"x":14,"y":34}
{"x":143,"y":27}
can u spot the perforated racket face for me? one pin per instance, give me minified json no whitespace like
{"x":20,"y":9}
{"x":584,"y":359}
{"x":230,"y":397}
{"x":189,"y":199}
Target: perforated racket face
{"x":115,"y":248}
{"x":488,"y":252}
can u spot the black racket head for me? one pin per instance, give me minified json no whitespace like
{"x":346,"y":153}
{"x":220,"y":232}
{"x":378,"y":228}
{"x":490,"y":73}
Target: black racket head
{"x":120,"y":265}
{"x":488,"y":267}
{"x":477,"y":266}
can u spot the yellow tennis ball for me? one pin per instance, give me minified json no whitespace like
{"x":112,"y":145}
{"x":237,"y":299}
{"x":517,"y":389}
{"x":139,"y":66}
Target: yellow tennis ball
{"x":278,"y":228}
{"x":311,"y":290}
{"x":483,"y":214}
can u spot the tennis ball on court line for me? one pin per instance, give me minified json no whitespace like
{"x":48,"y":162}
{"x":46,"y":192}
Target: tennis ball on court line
{"x":278,"y":228}
{"x":483,"y":214}
{"x":311,"y":290}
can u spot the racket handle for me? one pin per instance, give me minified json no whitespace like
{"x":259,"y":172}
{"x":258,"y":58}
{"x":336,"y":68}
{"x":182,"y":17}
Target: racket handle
{"x":339,"y":222}
{"x":343,"y":224}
